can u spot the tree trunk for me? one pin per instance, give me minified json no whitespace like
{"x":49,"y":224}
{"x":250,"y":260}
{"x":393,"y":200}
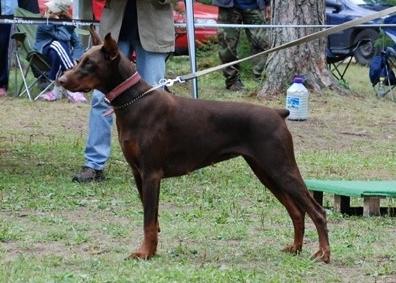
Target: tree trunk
{"x":307,"y":59}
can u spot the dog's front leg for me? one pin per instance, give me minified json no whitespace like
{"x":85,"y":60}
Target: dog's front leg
{"x":138,"y":181}
{"x":150,"y":199}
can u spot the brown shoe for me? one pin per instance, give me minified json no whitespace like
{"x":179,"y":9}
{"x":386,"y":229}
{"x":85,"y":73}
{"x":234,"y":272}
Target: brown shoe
{"x":88,"y":175}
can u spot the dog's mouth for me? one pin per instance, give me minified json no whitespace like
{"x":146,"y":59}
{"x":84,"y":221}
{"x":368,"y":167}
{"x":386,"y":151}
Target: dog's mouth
{"x":77,"y":89}
{"x":86,"y":89}
{"x":73,"y":85}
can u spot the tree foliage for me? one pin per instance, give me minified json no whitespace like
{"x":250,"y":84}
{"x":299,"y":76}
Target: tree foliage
{"x":386,"y":2}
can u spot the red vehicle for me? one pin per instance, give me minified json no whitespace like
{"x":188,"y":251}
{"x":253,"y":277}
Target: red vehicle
{"x":42,"y":6}
{"x":97,"y":7}
{"x":203,"y":14}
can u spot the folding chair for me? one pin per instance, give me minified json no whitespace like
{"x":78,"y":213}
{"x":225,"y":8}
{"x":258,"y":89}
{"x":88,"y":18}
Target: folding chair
{"x":36,"y":63}
{"x":381,"y":73}
{"x":336,"y":59}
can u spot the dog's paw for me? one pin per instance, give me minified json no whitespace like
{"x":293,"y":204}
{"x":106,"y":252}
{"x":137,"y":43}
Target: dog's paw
{"x":293,"y":249}
{"x":145,"y":252}
{"x":321,"y":255}
{"x":140,"y":255}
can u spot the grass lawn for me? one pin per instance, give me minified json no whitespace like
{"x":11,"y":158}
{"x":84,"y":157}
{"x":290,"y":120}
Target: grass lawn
{"x":219,"y":224}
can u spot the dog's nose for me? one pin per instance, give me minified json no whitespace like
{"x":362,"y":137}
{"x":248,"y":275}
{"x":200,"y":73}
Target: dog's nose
{"x":62,"y":80}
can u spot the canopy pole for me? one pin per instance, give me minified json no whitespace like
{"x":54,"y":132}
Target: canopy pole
{"x":76,"y":10}
{"x":191,"y":44}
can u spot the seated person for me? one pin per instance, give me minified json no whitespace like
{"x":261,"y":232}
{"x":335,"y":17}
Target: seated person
{"x":61,"y":45}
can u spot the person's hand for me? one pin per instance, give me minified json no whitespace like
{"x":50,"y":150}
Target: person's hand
{"x":65,"y":16}
{"x":52,"y":15}
{"x":60,"y":15}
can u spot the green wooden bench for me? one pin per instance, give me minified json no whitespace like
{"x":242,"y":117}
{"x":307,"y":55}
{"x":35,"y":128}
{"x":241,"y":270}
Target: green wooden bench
{"x":370,"y":191}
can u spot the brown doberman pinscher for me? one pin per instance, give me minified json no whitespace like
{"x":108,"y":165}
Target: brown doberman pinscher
{"x":163,"y":135}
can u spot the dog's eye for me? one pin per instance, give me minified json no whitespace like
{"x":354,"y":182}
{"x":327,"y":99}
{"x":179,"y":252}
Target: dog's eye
{"x":87,"y":67}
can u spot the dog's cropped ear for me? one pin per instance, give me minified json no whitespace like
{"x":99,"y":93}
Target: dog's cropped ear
{"x":110,"y":47}
{"x":96,"y":40}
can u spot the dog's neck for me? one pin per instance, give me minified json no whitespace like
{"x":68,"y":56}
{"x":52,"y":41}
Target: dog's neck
{"x":128,"y":86}
{"x":124,"y":86}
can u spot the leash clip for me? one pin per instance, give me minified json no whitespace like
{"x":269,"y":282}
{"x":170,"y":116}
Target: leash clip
{"x":171,"y":82}
{"x":107,"y":100}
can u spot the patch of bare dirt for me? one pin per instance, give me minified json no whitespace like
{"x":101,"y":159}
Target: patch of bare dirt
{"x":27,"y":121}
{"x":99,"y":242}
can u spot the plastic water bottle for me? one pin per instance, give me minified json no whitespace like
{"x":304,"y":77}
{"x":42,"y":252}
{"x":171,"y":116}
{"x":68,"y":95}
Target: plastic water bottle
{"x":381,"y":87}
{"x":297,"y":100}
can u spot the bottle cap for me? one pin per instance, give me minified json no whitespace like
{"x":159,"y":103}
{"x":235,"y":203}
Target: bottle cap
{"x":298,"y":79}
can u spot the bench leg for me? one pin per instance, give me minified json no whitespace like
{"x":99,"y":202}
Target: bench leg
{"x":318,"y":196}
{"x":342,"y":204}
{"x":371,"y":206}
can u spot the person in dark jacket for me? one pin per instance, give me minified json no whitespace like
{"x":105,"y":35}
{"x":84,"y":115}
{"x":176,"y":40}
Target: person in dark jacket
{"x":61,"y":45}
{"x":30,"y":5}
{"x":241,"y":12}
{"x":7,"y":8}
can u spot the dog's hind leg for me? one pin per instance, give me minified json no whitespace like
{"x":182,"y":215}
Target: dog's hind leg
{"x":286,"y":183}
{"x":298,"y":219}
{"x":294,"y":186}
{"x":138,"y":182}
{"x":318,"y":216}
{"x":150,"y":198}
{"x":296,"y":214}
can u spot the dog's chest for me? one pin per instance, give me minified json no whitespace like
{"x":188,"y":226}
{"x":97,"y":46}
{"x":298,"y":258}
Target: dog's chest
{"x":131,"y":151}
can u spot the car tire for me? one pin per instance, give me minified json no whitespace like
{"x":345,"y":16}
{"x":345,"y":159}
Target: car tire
{"x":365,"y":52}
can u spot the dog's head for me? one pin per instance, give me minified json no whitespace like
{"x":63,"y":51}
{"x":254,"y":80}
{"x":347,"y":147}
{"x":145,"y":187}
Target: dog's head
{"x":100,"y":67}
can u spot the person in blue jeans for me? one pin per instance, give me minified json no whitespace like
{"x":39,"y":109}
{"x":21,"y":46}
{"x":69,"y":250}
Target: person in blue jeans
{"x":146,"y":28}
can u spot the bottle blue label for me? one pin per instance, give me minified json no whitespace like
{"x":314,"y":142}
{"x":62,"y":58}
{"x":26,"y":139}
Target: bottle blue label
{"x":293,"y":102}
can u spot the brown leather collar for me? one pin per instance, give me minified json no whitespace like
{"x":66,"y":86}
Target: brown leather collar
{"x":122,"y":87}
